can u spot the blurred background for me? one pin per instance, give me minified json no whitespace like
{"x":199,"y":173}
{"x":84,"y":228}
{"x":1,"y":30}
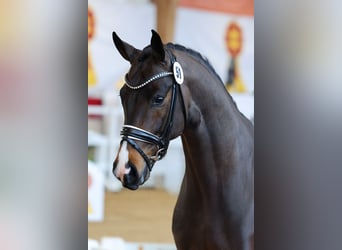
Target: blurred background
{"x":223,"y":32}
{"x":44,"y":119}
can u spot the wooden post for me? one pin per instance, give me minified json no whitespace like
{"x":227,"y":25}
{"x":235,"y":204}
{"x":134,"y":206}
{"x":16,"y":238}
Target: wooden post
{"x":166,"y":15}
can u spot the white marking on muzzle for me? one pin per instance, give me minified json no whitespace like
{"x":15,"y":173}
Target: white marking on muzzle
{"x":121,"y":169}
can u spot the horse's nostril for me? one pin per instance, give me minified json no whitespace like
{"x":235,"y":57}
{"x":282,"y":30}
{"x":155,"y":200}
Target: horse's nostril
{"x":115,"y":163}
{"x":114,"y":169}
{"x":131,"y":179}
{"x":132,"y":173}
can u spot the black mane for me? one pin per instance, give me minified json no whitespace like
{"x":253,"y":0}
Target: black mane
{"x":195,"y":54}
{"x":203,"y":59}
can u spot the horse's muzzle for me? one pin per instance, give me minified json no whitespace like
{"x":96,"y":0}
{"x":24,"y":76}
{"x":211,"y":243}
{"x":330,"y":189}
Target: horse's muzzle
{"x":130,"y":179}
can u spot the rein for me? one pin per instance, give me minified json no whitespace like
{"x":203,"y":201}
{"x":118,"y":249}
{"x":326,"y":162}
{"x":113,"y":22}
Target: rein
{"x":131,"y":134}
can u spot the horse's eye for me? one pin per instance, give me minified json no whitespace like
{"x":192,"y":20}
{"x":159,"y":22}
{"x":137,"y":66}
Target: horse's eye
{"x":157,"y":100}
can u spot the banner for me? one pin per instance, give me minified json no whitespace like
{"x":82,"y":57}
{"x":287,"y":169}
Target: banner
{"x":209,"y":33}
{"x":133,"y":22}
{"x":91,"y":31}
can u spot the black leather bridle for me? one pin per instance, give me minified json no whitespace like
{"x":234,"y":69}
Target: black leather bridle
{"x":131,"y":134}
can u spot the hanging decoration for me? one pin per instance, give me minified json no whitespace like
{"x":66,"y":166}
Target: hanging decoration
{"x":91,"y":32}
{"x":234,"y":41}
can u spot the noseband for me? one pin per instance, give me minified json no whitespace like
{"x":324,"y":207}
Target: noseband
{"x":131,"y":134}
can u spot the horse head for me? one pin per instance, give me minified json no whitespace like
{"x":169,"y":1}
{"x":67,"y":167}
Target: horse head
{"x":149,"y":100}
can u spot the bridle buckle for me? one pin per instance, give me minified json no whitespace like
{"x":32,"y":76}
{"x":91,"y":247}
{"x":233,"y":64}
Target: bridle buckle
{"x":159,"y":154}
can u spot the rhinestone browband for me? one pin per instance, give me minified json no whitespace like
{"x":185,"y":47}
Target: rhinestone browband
{"x":153,"y":78}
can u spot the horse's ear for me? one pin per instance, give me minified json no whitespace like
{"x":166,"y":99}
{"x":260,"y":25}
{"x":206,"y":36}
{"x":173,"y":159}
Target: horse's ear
{"x":157,"y":46}
{"x":126,"y":50}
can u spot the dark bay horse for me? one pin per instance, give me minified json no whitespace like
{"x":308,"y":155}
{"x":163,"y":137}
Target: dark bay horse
{"x":173,"y":91}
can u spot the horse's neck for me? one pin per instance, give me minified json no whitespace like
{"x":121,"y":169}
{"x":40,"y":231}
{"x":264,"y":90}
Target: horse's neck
{"x":213,"y":148}
{"x":208,"y":153}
